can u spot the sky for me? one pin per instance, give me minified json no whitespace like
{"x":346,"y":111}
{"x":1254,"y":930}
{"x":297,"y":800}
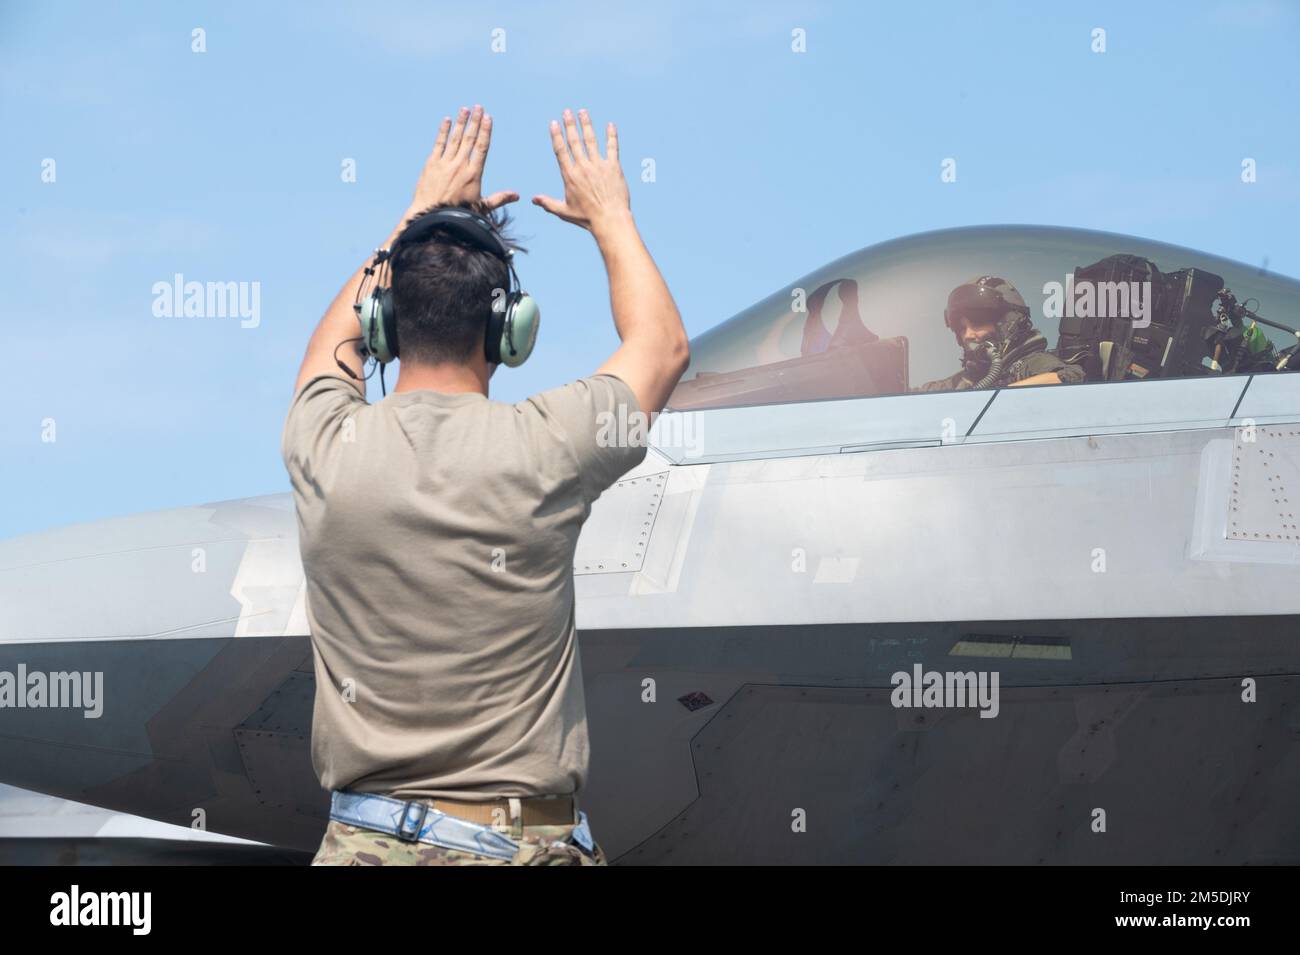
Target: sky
{"x":130,"y":158}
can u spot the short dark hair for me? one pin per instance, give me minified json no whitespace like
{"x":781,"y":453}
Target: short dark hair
{"x":444,"y":289}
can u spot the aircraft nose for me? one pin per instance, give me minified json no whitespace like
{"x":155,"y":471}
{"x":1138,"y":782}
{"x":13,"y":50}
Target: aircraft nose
{"x":103,"y":624}
{"x":224,"y":569}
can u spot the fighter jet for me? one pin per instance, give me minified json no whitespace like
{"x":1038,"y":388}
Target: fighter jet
{"x":831,"y":617}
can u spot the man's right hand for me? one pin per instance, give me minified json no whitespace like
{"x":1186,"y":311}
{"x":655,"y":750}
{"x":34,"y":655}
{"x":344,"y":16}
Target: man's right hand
{"x":595,"y":191}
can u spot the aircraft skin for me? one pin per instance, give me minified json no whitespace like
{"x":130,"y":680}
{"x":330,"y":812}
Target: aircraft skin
{"x":43,"y":830}
{"x":1123,"y":555}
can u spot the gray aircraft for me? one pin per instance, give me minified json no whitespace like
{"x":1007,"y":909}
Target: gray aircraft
{"x":831,"y":617}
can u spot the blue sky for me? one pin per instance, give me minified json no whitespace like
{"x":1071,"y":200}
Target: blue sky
{"x":225,"y":166}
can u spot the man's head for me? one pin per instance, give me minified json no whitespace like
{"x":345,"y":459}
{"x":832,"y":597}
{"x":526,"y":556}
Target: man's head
{"x":443,"y":292}
{"x":972,"y":329}
{"x":987,"y":308}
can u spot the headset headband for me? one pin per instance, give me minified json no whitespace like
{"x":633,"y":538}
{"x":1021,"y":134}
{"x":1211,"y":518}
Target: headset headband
{"x":462,"y":223}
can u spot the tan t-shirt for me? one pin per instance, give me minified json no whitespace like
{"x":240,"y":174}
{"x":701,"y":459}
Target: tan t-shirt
{"x":437,"y":534}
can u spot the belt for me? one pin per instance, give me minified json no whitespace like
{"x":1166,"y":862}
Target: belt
{"x":534,"y":811}
{"x":416,"y":821}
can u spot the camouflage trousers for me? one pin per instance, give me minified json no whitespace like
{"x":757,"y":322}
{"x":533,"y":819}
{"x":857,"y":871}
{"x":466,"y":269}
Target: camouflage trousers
{"x":538,"y":845}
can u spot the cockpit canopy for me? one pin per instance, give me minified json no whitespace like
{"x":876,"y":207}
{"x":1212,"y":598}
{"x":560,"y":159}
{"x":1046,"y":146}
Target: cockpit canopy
{"x":872,"y":323}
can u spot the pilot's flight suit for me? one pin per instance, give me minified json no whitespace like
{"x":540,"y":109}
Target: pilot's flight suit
{"x":1035,"y":363}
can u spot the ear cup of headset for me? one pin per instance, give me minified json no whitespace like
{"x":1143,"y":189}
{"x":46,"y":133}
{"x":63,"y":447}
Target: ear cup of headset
{"x":495,"y":331}
{"x":519,"y":334}
{"x":388,"y":323}
{"x":379,"y":325}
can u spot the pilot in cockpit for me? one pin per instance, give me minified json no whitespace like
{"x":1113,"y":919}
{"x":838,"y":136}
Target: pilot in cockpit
{"x":1000,"y":345}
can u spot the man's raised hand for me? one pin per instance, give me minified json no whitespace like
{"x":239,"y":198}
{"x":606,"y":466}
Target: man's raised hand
{"x":594,"y":188}
{"x":453,"y":173}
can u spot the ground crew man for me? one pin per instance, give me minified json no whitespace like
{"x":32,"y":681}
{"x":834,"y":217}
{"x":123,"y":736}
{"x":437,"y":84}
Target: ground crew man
{"x":437,"y":527}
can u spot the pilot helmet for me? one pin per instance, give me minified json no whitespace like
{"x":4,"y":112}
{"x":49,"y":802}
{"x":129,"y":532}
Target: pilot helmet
{"x":995,"y":301}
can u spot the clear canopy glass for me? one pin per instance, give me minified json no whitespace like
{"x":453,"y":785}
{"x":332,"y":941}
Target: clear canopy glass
{"x":872,"y":322}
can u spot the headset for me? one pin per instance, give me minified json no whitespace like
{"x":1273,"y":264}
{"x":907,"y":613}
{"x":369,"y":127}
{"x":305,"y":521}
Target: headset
{"x":512,"y":326}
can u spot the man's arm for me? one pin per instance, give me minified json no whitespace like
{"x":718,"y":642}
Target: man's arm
{"x":950,"y":383}
{"x":1045,"y":368}
{"x":337,"y":326}
{"x":654,"y":351}
{"x":453,"y":173}
{"x":1046,"y":378}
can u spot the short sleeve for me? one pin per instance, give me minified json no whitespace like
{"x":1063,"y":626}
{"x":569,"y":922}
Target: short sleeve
{"x":314,"y":422}
{"x":601,"y":420}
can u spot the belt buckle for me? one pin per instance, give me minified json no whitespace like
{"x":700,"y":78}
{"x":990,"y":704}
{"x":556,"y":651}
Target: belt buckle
{"x":404,"y":832}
